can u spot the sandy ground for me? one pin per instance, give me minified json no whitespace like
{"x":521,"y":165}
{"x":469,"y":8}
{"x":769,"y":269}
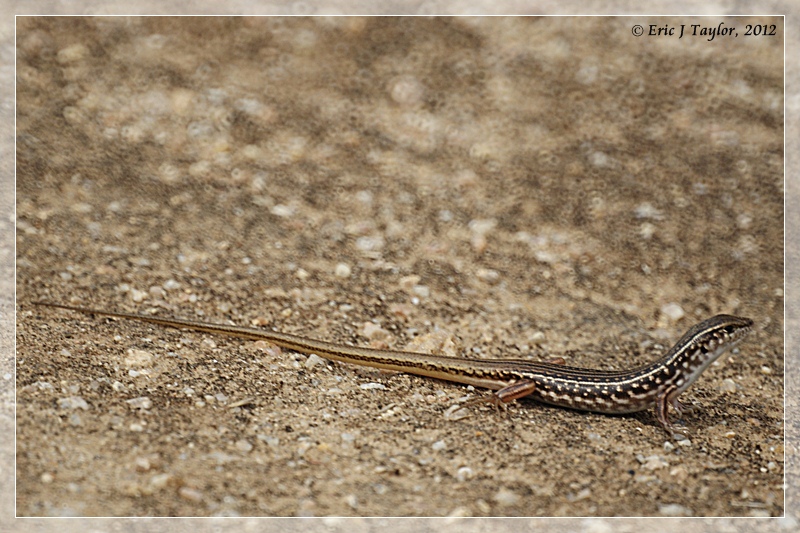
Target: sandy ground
{"x":489,"y":188}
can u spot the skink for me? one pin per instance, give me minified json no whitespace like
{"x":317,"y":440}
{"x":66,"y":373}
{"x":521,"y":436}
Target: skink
{"x":602,"y":391}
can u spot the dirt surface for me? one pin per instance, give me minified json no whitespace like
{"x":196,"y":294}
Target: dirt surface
{"x":482,"y":187}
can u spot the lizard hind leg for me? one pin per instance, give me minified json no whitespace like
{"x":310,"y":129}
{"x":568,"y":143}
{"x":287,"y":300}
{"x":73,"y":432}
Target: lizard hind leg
{"x":509,"y":393}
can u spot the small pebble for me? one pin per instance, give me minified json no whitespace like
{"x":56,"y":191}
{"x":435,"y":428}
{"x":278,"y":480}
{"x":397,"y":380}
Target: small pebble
{"x":343,"y":270}
{"x":189,"y":494}
{"x":374,"y":332}
{"x":456,"y":412}
{"x":143,"y":402}
{"x":283,"y":211}
{"x":370,"y":244}
{"x":313,"y":360}
{"x":672,"y":311}
{"x":506,"y":498}
{"x":422,"y":291}
{"x":674,"y":509}
{"x":464,"y":473}
{"x":142,"y":464}
{"x":159,"y":481}
{"x":654,"y":462}
{"x":269,"y":440}
{"x":488,"y":275}
{"x":407,"y":283}
{"x":138,"y":358}
{"x":352,"y":501}
{"x":243,"y":446}
{"x":138,"y":296}
{"x":536,"y":338}
{"x":647,"y":211}
{"x":73,"y":402}
{"x":460,"y":512}
{"x":482,"y":226}
{"x":582,"y":494}
{"x":407,"y":91}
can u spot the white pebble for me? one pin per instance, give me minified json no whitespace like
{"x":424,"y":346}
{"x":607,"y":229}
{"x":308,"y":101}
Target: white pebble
{"x":342,"y":270}
{"x":156,"y":291}
{"x":352,"y":501}
{"x":422,"y":291}
{"x":674,"y":509}
{"x":244,"y":445}
{"x":647,"y":230}
{"x":159,"y":481}
{"x":464,"y":473}
{"x":744,"y":221}
{"x":370,"y":244}
{"x":506,"y":498}
{"x":482,"y":226}
{"x":456,"y":412}
{"x":190,"y":494}
{"x":281,"y":210}
{"x":138,"y":358}
{"x":373,"y":386}
{"x":73,"y":402}
{"x":646,"y":210}
{"x":313,"y":360}
{"x":488,"y":275}
{"x":655,"y":462}
{"x":672,"y":311}
{"x":536,"y":338}
{"x":459,"y":512}
{"x":143,"y":402}
{"x":138,"y":296}
{"x":599,"y":159}
{"x":374,"y":332}
{"x":728,"y":385}
{"x":407,"y":90}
